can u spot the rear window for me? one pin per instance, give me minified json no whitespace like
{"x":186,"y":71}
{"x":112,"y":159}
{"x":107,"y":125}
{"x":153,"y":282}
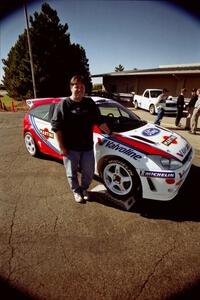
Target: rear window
{"x":41,"y":111}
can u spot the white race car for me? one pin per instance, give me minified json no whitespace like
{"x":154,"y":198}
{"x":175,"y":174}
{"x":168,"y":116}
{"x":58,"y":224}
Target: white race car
{"x":139,"y":159}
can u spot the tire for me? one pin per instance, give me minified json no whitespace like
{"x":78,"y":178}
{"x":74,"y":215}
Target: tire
{"x":30,"y":144}
{"x":121,"y":180}
{"x":152,"y":109}
{"x":135,"y":104}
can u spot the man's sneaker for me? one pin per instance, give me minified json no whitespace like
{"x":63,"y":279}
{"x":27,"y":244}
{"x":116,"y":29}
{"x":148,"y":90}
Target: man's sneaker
{"x":85,"y":195}
{"x":78,"y":198}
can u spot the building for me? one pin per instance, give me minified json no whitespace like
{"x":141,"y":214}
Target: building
{"x":172,"y":77}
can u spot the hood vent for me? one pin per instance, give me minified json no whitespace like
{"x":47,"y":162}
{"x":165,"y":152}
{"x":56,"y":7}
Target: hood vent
{"x":142,"y":139}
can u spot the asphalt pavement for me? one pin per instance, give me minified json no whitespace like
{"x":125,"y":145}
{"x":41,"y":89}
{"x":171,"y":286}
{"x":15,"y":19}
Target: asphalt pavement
{"x":53,"y":248}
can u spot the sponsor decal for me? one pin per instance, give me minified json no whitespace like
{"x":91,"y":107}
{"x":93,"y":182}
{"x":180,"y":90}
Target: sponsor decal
{"x":150,"y":131}
{"x":40,"y":135}
{"x":47,"y":134}
{"x":140,"y":146}
{"x":117,"y":147}
{"x":183,"y":151}
{"x":168,"y":140}
{"x":157,"y":174}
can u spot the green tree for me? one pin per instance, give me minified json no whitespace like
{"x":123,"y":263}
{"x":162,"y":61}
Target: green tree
{"x":55,"y":59}
{"x":119,"y":68}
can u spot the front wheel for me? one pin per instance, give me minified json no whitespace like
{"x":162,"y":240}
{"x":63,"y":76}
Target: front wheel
{"x":121,"y":180}
{"x":152,"y":109}
{"x":30,"y":144}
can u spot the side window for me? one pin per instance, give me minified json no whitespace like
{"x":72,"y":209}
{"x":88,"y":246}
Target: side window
{"x":41,"y":111}
{"x":105,"y":110}
{"x":146,"y":94}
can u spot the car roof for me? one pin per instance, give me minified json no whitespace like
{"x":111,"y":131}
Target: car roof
{"x":38,"y":101}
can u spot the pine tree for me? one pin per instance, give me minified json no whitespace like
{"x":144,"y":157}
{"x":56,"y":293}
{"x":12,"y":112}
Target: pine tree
{"x":55,"y":59}
{"x":119,"y":68}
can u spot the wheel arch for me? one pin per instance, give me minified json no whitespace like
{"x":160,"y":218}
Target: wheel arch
{"x":134,"y":171}
{"x":27,"y":131}
{"x":106,"y":158}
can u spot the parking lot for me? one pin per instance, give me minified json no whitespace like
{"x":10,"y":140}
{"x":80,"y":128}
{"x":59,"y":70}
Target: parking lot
{"x":53,"y":248}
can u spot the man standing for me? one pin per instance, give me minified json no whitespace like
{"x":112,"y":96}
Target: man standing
{"x":73,"y":122}
{"x":160,"y":104}
{"x":191,"y":108}
{"x":180,"y":106}
{"x":196,"y":114}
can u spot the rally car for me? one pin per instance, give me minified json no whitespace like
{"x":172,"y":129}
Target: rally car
{"x":139,"y":159}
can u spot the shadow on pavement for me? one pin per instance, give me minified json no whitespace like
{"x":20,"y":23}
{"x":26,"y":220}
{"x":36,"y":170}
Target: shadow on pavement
{"x":182,"y":129}
{"x":8,"y":291}
{"x":184,"y":207}
{"x":192,"y":292}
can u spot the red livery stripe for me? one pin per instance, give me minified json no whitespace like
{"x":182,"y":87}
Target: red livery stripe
{"x":142,"y":147}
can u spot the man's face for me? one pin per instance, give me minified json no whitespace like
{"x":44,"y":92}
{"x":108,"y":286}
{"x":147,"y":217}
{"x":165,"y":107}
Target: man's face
{"x":78,"y":90}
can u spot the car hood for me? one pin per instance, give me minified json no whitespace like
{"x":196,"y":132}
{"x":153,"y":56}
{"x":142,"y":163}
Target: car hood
{"x":155,"y":140}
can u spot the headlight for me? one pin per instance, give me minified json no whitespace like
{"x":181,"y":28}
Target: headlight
{"x":166,"y":163}
{"x":170,"y":164}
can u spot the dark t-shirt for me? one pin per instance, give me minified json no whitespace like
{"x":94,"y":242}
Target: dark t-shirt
{"x":76,"y":121}
{"x":180,"y":102}
{"x":193,"y":100}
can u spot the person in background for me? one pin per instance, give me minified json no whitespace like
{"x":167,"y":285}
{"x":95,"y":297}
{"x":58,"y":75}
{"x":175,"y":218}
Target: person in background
{"x":180,"y":107}
{"x":160,"y":104}
{"x":73,"y":122}
{"x":196,"y":114}
{"x":190,"y":107}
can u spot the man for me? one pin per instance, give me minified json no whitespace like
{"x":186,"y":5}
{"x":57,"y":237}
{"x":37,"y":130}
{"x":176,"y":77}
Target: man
{"x":180,"y":107}
{"x":196,"y":114}
{"x":73,"y":122}
{"x":190,"y":108}
{"x":160,"y":104}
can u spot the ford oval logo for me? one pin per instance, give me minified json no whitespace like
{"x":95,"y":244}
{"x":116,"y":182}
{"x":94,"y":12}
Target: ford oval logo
{"x":150,"y":131}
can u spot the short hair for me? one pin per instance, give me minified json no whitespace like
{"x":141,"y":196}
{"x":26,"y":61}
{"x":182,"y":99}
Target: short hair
{"x":165,"y":90}
{"x":183,"y":90}
{"x":77,"y":79}
{"x":194,"y":90}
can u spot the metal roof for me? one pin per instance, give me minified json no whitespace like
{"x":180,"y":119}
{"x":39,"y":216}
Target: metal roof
{"x":162,"y":70}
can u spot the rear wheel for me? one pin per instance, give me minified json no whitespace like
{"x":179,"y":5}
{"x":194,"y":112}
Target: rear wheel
{"x":121,"y":180}
{"x":136,"y":104}
{"x":30,"y":144}
{"x":152,"y":109}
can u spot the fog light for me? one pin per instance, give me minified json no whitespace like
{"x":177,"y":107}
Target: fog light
{"x":170,"y":180}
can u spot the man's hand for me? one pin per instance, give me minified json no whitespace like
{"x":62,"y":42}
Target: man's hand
{"x":63,"y":152}
{"x":59,"y":137}
{"x":104,"y":127}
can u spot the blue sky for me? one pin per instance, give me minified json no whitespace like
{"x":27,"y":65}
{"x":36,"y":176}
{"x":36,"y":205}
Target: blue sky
{"x":136,"y":34}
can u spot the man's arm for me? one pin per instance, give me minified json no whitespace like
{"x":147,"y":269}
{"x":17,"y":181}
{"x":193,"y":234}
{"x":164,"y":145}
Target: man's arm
{"x":59,"y":137}
{"x":158,"y":100}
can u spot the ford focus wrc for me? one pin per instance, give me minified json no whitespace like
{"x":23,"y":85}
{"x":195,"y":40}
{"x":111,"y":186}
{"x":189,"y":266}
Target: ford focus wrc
{"x":138,"y":159}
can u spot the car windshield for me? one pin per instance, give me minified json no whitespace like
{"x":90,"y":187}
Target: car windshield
{"x":155,"y":94}
{"x":119,"y":118}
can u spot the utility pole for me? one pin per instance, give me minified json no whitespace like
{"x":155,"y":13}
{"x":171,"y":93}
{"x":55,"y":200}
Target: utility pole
{"x":30,"y":49}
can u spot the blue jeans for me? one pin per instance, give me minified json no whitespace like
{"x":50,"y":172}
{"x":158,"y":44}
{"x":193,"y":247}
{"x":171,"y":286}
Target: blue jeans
{"x":160,"y":115}
{"x":82,"y":161}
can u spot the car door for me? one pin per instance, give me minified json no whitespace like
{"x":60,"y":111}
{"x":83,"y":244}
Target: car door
{"x":40,"y":120}
{"x":146,"y":100}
